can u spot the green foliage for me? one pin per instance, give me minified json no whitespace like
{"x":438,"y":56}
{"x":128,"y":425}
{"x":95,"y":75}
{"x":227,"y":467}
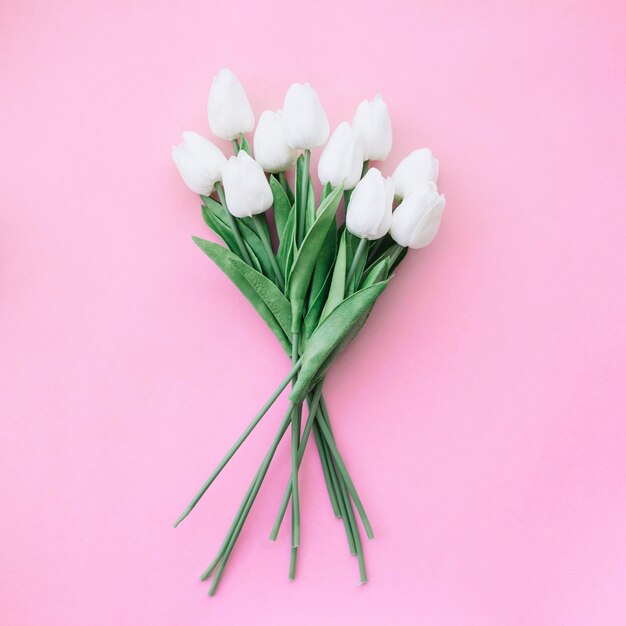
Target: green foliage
{"x":282,"y":207}
{"x":245,"y":146}
{"x":308,"y":253}
{"x":316,"y":303}
{"x":261,"y":292}
{"x":332,"y":335}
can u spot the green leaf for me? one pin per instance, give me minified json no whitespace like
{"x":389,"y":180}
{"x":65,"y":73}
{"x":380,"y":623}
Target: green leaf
{"x":325,"y":261}
{"x":251,"y":229}
{"x":282,"y":179}
{"x":337,"y":289}
{"x":215,"y":207}
{"x":261,"y":292}
{"x":286,"y":243}
{"x":214,"y":216}
{"x":244,"y":145}
{"x":282,"y":207}
{"x":314,"y":312}
{"x":221,"y":229}
{"x":306,"y":256}
{"x":254,"y":245}
{"x":291,"y":255}
{"x":325,"y":192}
{"x":352,"y":243}
{"x":380,"y":271}
{"x":358,"y":273}
{"x":332,"y":335}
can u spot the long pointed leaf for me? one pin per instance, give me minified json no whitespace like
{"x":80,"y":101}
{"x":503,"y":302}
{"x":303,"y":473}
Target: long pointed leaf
{"x":314,"y":312}
{"x":306,"y":257}
{"x":254,"y":245}
{"x":261,"y":292}
{"x":332,"y":335}
{"x":337,"y":290}
{"x":282,"y":207}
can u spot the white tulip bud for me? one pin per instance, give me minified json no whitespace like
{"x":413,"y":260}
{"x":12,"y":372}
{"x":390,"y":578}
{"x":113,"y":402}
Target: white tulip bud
{"x":415,"y":169}
{"x":372,"y":121}
{"x":416,"y":220}
{"x":199,"y":162}
{"x":369,"y":209}
{"x":245,"y":186}
{"x":342,"y":158}
{"x":270,"y":148}
{"x":229,"y":110}
{"x":306,"y":124}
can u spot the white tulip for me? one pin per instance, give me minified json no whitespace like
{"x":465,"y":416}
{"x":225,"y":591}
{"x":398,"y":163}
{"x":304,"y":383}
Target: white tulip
{"x":270,"y":148}
{"x":245,"y":186}
{"x":342,"y":158}
{"x":415,"y":169}
{"x":416,"y":220}
{"x":369,"y":209}
{"x":229,"y":110}
{"x":199,"y":162}
{"x":372,"y":121}
{"x":306,"y":124}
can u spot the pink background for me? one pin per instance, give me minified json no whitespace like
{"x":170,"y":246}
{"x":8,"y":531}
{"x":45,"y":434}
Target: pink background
{"x":481,"y":410}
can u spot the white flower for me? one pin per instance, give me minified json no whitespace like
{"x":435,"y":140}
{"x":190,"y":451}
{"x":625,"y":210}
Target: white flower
{"x":229,"y":110}
{"x":372,"y":121}
{"x":306,"y":124}
{"x":416,"y":220}
{"x":369,"y":209}
{"x":245,"y":186}
{"x":418,"y":167}
{"x":342,"y":158}
{"x":199,"y":162}
{"x":270,"y":148}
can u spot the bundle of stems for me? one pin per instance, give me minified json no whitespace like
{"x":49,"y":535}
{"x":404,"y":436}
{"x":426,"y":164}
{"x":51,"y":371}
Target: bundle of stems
{"x":342,"y":493}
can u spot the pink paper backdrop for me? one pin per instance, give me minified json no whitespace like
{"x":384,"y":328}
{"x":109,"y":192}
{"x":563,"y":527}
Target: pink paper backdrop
{"x":482,"y":409}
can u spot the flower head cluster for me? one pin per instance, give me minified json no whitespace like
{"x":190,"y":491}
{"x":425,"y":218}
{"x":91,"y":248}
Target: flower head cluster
{"x":313,"y":279}
{"x":302,"y":124}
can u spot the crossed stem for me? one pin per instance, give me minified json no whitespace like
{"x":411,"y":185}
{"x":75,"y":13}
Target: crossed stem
{"x":342,"y":482}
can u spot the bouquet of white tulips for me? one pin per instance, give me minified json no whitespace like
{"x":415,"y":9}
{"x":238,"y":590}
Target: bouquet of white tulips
{"x":312,"y":278}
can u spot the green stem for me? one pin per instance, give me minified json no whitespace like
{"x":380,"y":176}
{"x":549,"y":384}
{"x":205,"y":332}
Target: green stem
{"x":304,"y":193}
{"x":357,"y":257}
{"x":341,"y":505}
{"x":242,"y":438}
{"x":352,"y":530}
{"x":267,"y":244}
{"x":282,"y":179}
{"x":326,"y":462}
{"x":305,"y":437}
{"x":295,"y":503}
{"x":234,"y":226}
{"x":218,"y":557}
{"x":346,"y":477}
{"x":295,"y":444}
{"x":249,"y":501}
{"x":236,"y":146}
{"x":336,"y":482}
{"x":327,"y":469}
{"x":293,"y":561}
